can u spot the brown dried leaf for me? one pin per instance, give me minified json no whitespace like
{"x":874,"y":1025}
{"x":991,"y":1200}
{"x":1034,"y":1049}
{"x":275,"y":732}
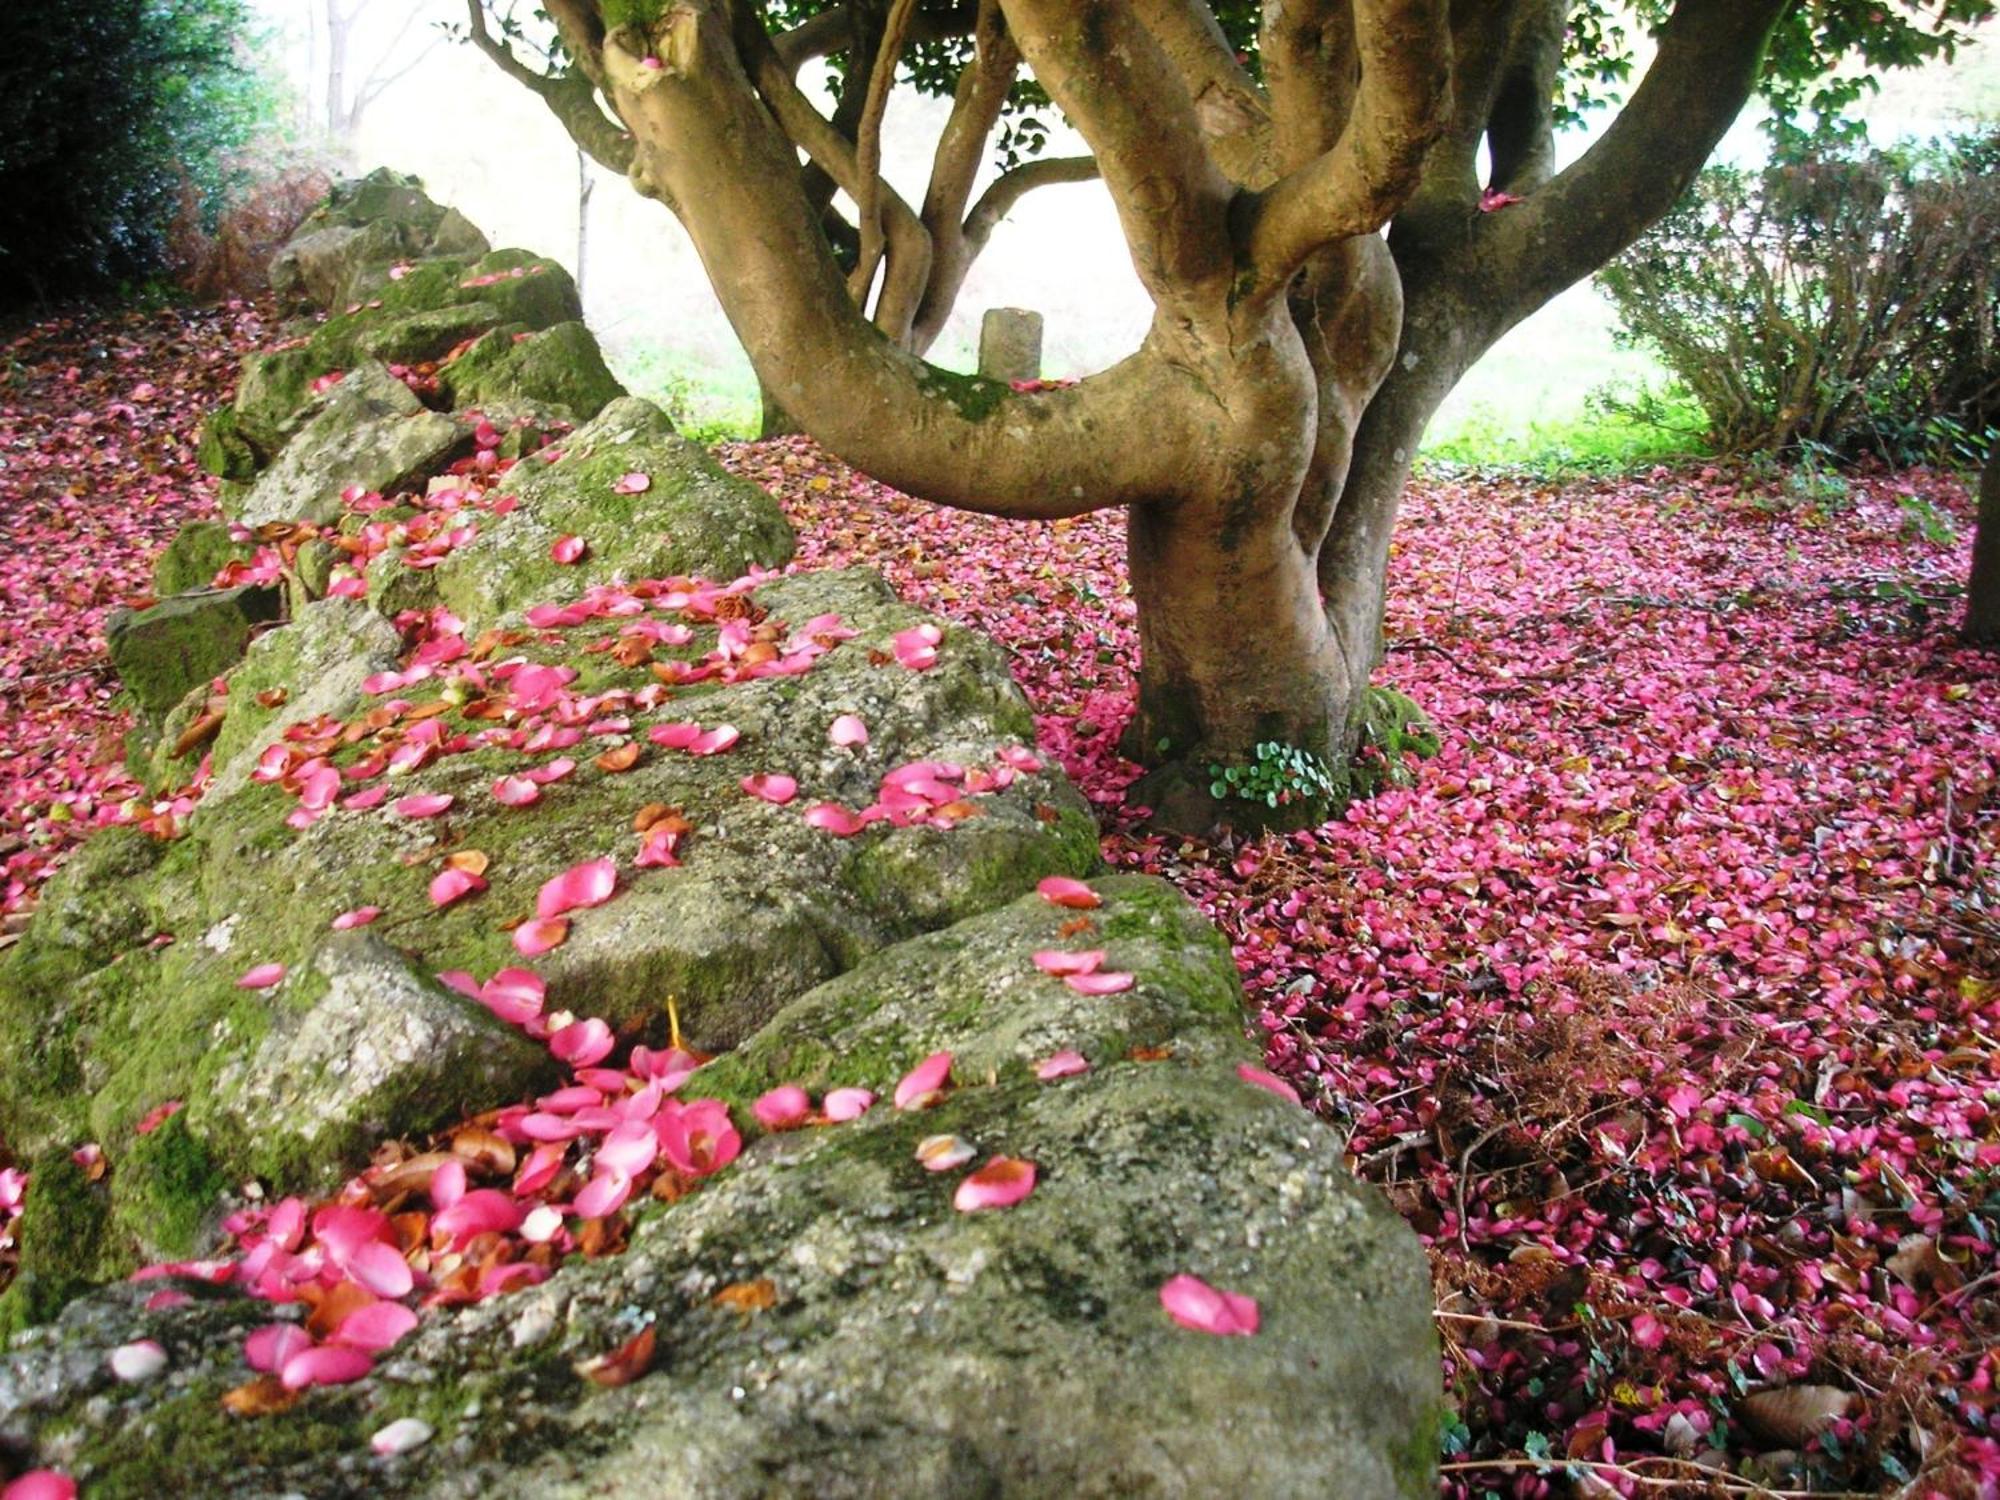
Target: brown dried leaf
{"x":472,"y":861}
{"x":624,"y":1364}
{"x":199,"y":733}
{"x":748,"y":1296}
{"x":632,"y":652}
{"x":260,"y":1398}
{"x":623,"y":758}
{"x":1792,"y":1415}
{"x":272,"y":698}
{"x":1921,"y":1266}
{"x":484,"y":1151}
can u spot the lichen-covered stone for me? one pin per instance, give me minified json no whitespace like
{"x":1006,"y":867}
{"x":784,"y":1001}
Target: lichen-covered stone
{"x":371,"y":432}
{"x":199,"y":551}
{"x":560,"y":367}
{"x":908,"y":1348}
{"x":418,"y":337}
{"x":364,"y":223}
{"x":164,"y":652}
{"x":274,"y":398}
{"x":380,"y":1045}
{"x":691,"y":518}
{"x":221,"y":449}
{"x":506,"y":286}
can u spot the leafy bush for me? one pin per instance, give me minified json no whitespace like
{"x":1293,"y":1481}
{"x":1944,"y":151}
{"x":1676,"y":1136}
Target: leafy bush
{"x":1844,"y":298}
{"x":107,"y":112}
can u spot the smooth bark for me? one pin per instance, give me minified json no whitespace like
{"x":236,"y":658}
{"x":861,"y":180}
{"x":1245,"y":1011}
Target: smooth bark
{"x":1982,"y":589}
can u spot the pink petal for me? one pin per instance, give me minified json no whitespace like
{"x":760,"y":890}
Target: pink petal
{"x":1062,"y":1065}
{"x":361,"y":916}
{"x":269,"y":1347}
{"x":447,"y":1183}
{"x":1001,"y":1183}
{"x":634,"y":483}
{"x":1060,"y":890}
{"x":603,"y":1194}
{"x":782,"y":1108}
{"x":555,"y":770}
{"x":382,"y":1269}
{"x":716,"y":741}
{"x":424,"y":805}
{"x":374,"y":796}
{"x":540,"y":935}
{"x":481,"y":1211}
{"x":375,"y":1327}
{"x":568,"y":549}
{"x":344,"y":1228}
{"x":1054,"y":961}
{"x":582,"y":1043}
{"x":329,"y":1364}
{"x":772,"y":786}
{"x":516,"y":791}
{"x":923,"y":1083}
{"x":1195,"y":1304}
{"x":262,"y":977}
{"x":848,"y":730}
{"x":677,"y":736}
{"x":588,"y":884}
{"x":842,"y":1105}
{"x":514,"y":995}
{"x":540,"y":1169}
{"x":834,"y":819}
{"x":1020,"y":758}
{"x":1270,"y":1082}
{"x":137,"y":1361}
{"x":629,"y":1149}
{"x":401,"y":1436}
{"x":449,"y":884}
{"x":941,"y":1153}
{"x":1101,"y":982}
{"x":41,"y":1484}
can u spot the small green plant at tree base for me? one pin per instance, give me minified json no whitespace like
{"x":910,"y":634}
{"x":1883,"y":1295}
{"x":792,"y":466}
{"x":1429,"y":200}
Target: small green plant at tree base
{"x":1278,"y":776}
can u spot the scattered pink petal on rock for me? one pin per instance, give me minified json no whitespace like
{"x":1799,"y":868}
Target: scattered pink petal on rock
{"x":451,"y":883}
{"x":582,"y":1043}
{"x":634,"y":483}
{"x":328,"y":1364}
{"x":1001,"y":1183}
{"x":381,"y":1268}
{"x":540,"y":935}
{"x":447,"y":1183}
{"x":921,"y":1086}
{"x":516,"y":996}
{"x":1061,"y":890}
{"x":41,"y":1484}
{"x":831,"y":817}
{"x":1099,"y":982}
{"x":268,"y":1348}
{"x":698,"y":1138}
{"x":262,"y":977}
{"x":603,"y":1194}
{"x":715,"y":741}
{"x":481,"y":1211}
{"x":629,"y":1148}
{"x":771,"y":786}
{"x":1055,"y":961}
{"x":423,"y":805}
{"x":1266,"y":1080}
{"x":782,"y":1108}
{"x":845,"y":1104}
{"x":588,"y":884}
{"x":942,"y":1153}
{"x":138,"y":1361}
{"x":847,"y":730}
{"x":361,"y":916}
{"x":1193,"y":1303}
{"x":376,"y":1326}
{"x":516,"y":791}
{"x":1061,"y":1065}
{"x":568,"y":549}
{"x":404,"y":1435}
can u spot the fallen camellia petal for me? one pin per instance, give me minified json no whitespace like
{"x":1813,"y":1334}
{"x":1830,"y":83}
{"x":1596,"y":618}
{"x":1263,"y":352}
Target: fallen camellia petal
{"x":514,"y":995}
{"x":715,"y":741}
{"x":41,"y":1484}
{"x":375,"y":1327}
{"x":542,"y":1224}
{"x":269,"y":1347}
{"x":540,"y":935}
{"x":834,"y":819}
{"x":624,"y":1364}
{"x":842,"y":1105}
{"x":1001,"y":1183}
{"x":603,"y":1194}
{"x":568,"y":549}
{"x":424,"y":804}
{"x":588,"y":884}
{"x":138,"y":1361}
{"x":772,"y":786}
{"x":481,"y":1211}
{"x":1054,"y":961}
{"x":1062,"y":1065}
{"x":381,"y":1268}
{"x":847,"y":730}
{"x":1099,"y":982}
{"x":782,"y":1108}
{"x":516,"y":791}
{"x":1268,"y":1081}
{"x":629,"y":1149}
{"x":449,"y":884}
{"x":262,"y":977}
{"x":1061,"y":890}
{"x":634,"y":483}
{"x":1193,"y":1303}
{"x":447,"y":1183}
{"x":328,"y":1364}
{"x":400,"y":1437}
{"x":698,"y":1138}
{"x":582,"y":1043}
{"x":941,"y":1153}
{"x":361,"y":916}
{"x":923,"y":1083}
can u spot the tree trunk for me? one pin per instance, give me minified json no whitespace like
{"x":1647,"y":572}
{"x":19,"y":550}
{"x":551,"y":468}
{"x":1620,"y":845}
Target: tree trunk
{"x":1982,"y":590}
{"x":772,"y":418}
{"x":1235,"y":652}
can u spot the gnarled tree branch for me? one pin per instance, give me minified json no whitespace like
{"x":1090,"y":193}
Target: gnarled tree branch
{"x":570,"y":97}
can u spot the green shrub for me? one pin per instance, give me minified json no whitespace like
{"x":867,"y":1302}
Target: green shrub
{"x":1844,"y":297}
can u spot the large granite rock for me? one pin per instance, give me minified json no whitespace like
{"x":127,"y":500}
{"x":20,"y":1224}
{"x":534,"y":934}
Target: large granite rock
{"x":907,"y":1349}
{"x":370,"y":432}
{"x":365,"y":225}
{"x":178,"y":645}
{"x":559,"y":368}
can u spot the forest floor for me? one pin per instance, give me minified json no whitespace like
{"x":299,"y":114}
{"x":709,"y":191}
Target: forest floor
{"x":1663,"y":1002}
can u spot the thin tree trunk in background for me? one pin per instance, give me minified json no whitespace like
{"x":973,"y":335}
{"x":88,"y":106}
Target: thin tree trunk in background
{"x":1982,"y":589}
{"x":584,"y":187}
{"x":336,"y":72}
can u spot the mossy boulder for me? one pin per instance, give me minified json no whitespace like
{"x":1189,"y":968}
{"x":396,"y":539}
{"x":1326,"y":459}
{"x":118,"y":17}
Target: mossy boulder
{"x":370,"y":432}
{"x":274,"y":398}
{"x":560,"y":368}
{"x":199,"y":551}
{"x":164,"y":652}
{"x":363,"y":224}
{"x":692,"y":517}
{"x":221,"y":448}
{"x":907,"y":1348}
{"x":502,"y":287}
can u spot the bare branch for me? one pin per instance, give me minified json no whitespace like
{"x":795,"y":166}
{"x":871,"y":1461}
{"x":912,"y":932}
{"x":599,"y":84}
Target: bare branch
{"x":1011,"y":186}
{"x":1355,"y":187}
{"x":1230,"y":111}
{"x":570,"y":97}
{"x":832,"y":30}
{"x":868,"y":150}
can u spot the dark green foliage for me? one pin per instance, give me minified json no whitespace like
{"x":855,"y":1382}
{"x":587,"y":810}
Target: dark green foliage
{"x":1843,"y":300}
{"x":107,"y":111}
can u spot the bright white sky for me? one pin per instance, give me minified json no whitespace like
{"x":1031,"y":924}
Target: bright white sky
{"x":485,"y":146}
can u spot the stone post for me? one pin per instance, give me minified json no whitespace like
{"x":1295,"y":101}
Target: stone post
{"x":1982,"y":589}
{"x":1010,"y":344}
